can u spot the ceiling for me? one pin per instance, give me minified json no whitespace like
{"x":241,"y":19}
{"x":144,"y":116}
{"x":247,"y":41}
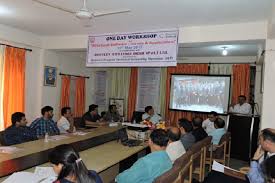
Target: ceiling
{"x":145,"y":15}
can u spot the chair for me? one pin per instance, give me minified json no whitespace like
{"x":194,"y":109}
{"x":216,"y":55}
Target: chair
{"x":78,"y":123}
{"x":221,"y":152}
{"x":2,"y":139}
{"x":172,"y":175}
{"x":137,"y":115}
{"x":199,"y":150}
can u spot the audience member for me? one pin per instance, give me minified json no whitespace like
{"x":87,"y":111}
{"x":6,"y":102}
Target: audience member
{"x":218,"y":132}
{"x":187,"y":138}
{"x":18,"y":132}
{"x":103,"y":114}
{"x":92,"y":117}
{"x":150,"y":115}
{"x":45,"y":124}
{"x":208,"y":124}
{"x":198,"y":132}
{"x":112,"y":115}
{"x":242,"y":107}
{"x":269,"y":170}
{"x":174,"y":148}
{"x":69,"y":167}
{"x":146,"y":169}
{"x":66,"y":122}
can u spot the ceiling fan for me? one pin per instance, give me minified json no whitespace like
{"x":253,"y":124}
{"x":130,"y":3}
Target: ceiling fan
{"x":84,"y":13}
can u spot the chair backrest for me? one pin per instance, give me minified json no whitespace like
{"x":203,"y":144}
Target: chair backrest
{"x":137,"y":115}
{"x":2,"y":139}
{"x":78,"y":123}
{"x":172,"y":174}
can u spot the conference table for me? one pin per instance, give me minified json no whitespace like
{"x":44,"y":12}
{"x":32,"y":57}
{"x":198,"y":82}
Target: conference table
{"x":99,"y":149}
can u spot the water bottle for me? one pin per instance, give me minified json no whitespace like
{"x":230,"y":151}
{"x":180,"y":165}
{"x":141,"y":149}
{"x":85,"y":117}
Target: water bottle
{"x":46,"y":137}
{"x":134,"y":122}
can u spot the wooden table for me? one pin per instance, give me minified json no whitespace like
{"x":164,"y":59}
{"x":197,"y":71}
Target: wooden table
{"x":36,"y":152}
{"x":103,"y":157}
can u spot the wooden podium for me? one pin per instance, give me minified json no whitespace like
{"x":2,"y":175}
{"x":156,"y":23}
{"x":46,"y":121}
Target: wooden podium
{"x":244,"y":135}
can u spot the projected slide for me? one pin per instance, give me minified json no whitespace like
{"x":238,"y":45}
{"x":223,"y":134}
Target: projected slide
{"x":200,"y":93}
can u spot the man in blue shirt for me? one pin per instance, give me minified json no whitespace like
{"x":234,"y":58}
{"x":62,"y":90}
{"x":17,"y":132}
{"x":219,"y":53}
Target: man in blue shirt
{"x":45,"y":124}
{"x":148,"y":168}
{"x":218,"y":132}
{"x":18,"y":132}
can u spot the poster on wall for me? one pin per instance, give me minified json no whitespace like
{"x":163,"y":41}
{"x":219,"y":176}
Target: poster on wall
{"x":100,"y":88}
{"x":148,"y":92}
{"x":49,"y":76}
{"x":147,"y":49}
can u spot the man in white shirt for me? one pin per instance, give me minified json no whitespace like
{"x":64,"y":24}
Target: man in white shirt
{"x":208,"y":124}
{"x":66,"y":123}
{"x":174,"y":148}
{"x":150,"y":115}
{"x":242,"y":107}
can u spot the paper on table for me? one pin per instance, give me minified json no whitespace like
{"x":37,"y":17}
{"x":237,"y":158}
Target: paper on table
{"x":44,"y":172}
{"x":57,"y":137}
{"x":218,"y":167}
{"x":22,"y":177}
{"x":9,"y":149}
{"x":79,"y":133}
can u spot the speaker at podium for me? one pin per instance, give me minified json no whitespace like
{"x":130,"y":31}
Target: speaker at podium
{"x":244,"y":135}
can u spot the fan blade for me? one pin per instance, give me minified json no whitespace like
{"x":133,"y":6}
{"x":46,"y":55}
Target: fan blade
{"x":53,"y":6}
{"x":110,"y":12}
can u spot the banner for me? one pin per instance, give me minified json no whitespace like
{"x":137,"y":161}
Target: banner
{"x":149,"y":49}
{"x":100,"y":88}
{"x":148,"y":91}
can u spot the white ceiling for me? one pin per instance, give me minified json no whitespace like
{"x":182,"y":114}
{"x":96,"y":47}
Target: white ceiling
{"x":144,"y":15}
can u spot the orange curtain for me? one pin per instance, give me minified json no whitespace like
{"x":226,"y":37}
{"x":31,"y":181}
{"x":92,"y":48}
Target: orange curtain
{"x":14,"y":83}
{"x":65,"y":92}
{"x":174,"y":116}
{"x":241,"y":81}
{"x":79,"y":103}
{"x":132,"y":92}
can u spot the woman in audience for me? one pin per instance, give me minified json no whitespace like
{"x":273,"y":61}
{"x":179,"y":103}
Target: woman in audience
{"x":69,"y":167}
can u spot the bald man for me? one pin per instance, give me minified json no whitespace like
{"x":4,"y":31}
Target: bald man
{"x":174,"y":148}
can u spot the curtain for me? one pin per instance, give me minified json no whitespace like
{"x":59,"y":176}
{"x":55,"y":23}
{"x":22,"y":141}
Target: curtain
{"x":241,"y":81}
{"x":2,"y":53}
{"x":132,"y":92}
{"x":120,"y":82}
{"x":162,"y":95}
{"x":65,"y":92}
{"x":174,"y":116}
{"x":79,"y":104}
{"x":14,"y":83}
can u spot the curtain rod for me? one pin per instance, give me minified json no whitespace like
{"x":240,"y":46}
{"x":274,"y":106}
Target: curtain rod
{"x":62,"y":74}
{"x":16,"y":47}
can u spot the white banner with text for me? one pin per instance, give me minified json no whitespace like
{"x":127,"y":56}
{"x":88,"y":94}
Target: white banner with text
{"x":149,"y":49}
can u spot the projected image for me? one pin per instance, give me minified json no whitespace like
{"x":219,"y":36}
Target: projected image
{"x":199,"y":93}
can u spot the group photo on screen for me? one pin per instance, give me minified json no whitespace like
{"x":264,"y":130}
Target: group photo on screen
{"x":200,"y":93}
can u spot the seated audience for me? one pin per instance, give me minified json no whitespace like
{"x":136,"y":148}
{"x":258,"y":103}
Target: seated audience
{"x":269,"y":169}
{"x":69,"y":167}
{"x":198,"y":132}
{"x":187,"y":138}
{"x":208,"y":124}
{"x":102,"y":114}
{"x":66,"y":122}
{"x":151,"y":166}
{"x":174,"y":148}
{"x":18,"y":132}
{"x":261,"y":158}
{"x":218,"y":132}
{"x":112,"y":115}
{"x":150,"y":115}
{"x":45,"y":124}
{"x":242,"y":107}
{"x":92,"y":117}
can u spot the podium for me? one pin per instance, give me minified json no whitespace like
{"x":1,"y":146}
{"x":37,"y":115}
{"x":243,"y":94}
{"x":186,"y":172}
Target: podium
{"x":244,"y":131}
